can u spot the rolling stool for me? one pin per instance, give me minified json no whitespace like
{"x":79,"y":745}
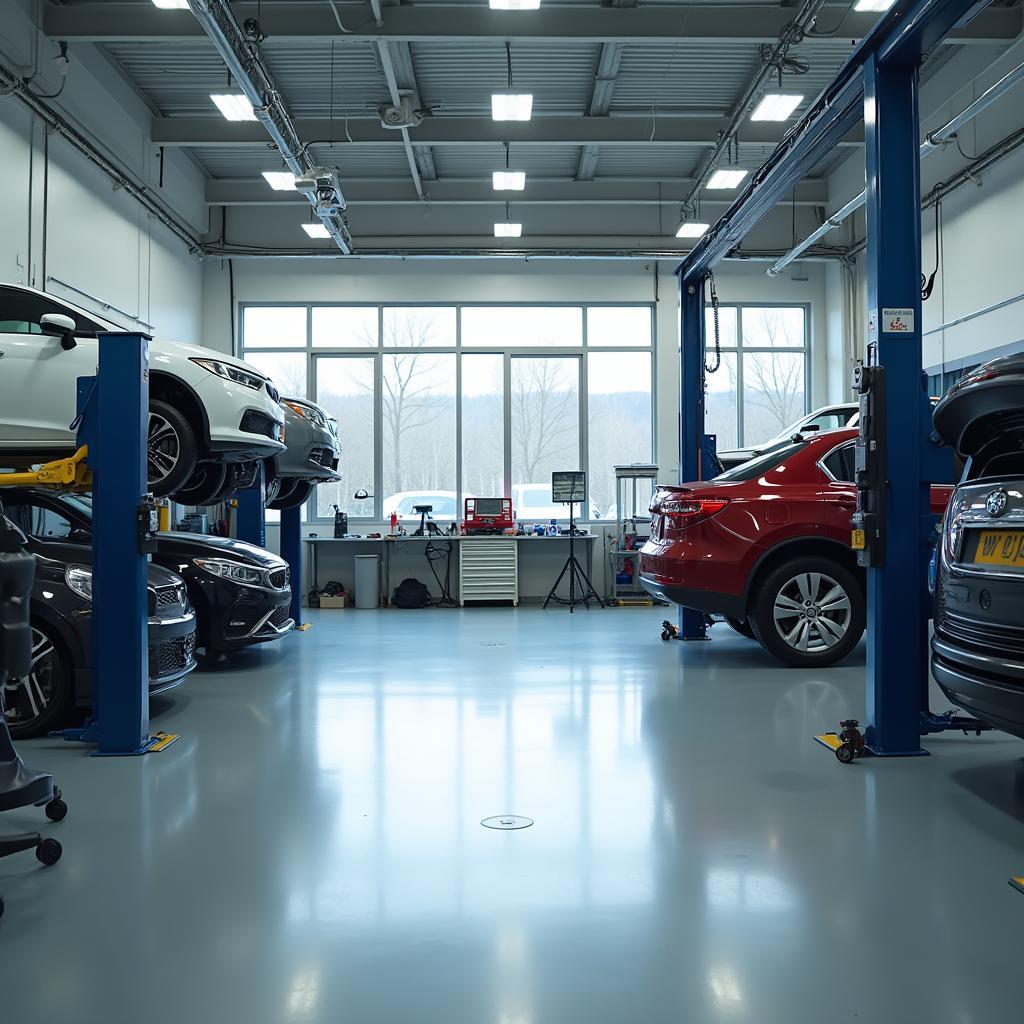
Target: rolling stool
{"x":20,"y":786}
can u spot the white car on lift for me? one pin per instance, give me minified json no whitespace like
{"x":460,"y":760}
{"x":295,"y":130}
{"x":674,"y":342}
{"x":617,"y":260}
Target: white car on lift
{"x":211,"y":417}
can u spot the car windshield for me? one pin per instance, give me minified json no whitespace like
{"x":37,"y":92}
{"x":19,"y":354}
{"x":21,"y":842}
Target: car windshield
{"x":755,"y":467}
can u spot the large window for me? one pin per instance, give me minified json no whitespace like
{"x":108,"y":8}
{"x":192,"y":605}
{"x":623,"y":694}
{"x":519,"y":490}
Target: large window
{"x":759,"y":388}
{"x":435,"y":403}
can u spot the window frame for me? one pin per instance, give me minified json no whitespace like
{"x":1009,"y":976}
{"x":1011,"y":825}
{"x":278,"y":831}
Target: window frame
{"x":536,"y":351}
{"x":739,"y":349}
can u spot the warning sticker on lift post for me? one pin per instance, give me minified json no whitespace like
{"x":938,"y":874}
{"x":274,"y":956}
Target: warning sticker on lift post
{"x":897,"y":320}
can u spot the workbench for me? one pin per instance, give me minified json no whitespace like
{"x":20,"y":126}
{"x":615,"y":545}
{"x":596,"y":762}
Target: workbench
{"x":390,"y":546}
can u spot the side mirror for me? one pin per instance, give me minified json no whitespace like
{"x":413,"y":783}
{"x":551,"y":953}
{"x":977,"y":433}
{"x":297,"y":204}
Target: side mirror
{"x":62,"y":326}
{"x":361,"y":494}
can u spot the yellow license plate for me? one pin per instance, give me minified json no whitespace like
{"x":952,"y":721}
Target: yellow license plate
{"x":1000,"y":547}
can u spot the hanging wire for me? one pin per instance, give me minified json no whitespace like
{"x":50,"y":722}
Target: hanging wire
{"x":508,"y":63}
{"x":718,"y":332}
{"x":508,"y":146}
{"x":928,"y":283}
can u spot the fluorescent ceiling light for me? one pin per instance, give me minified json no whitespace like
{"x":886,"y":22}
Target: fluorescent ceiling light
{"x":511,"y":106}
{"x":234,"y":106}
{"x":508,"y":230}
{"x":873,"y":5}
{"x":509,"y":181}
{"x":691,"y":229}
{"x":171,"y":5}
{"x":514,"y":5}
{"x":726,"y":178}
{"x":776,"y":106}
{"x":280,"y":181}
{"x":316,"y":231}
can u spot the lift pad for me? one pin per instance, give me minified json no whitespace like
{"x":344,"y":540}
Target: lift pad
{"x":69,"y":474}
{"x":304,"y":627}
{"x":1017,"y":881}
{"x":161,"y":741}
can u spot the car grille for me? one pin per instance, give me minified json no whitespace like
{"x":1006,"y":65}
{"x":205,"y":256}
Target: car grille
{"x":279,"y":577}
{"x":280,"y":616}
{"x":254,"y":422}
{"x":167,"y":596}
{"x":322,"y":457}
{"x":273,"y":392}
{"x":1001,"y":640}
{"x":176,"y":655}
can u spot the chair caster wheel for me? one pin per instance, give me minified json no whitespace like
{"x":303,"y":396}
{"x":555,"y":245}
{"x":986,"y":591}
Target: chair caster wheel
{"x":56,"y":809}
{"x":48,"y":852}
{"x":845,"y":753}
{"x":666,"y":635}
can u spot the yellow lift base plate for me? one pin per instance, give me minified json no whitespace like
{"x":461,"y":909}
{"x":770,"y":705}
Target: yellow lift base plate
{"x":162,"y":740}
{"x":67,"y":474}
{"x":830,"y":740}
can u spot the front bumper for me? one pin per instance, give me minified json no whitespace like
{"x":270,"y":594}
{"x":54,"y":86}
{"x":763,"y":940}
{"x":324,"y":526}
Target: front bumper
{"x":232,"y":616}
{"x":244,"y":424}
{"x":172,"y":650}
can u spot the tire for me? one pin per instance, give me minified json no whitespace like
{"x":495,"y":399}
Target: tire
{"x":203,"y":485}
{"x":742,"y":626}
{"x":799,"y":616}
{"x":35,"y":703}
{"x":172,"y":450}
{"x":292,"y":496}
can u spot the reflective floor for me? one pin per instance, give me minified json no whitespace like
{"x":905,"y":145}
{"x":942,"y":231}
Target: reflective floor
{"x":310,"y":850}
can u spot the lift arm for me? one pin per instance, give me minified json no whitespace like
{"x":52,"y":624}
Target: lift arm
{"x":67,"y":474}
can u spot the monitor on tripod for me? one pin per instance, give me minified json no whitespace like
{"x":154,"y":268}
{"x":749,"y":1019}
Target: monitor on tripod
{"x":570,"y":488}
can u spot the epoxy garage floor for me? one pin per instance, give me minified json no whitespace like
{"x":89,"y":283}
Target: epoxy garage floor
{"x":311,"y":849}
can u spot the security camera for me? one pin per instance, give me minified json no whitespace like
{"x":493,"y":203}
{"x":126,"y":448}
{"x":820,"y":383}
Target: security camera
{"x":321,"y":186}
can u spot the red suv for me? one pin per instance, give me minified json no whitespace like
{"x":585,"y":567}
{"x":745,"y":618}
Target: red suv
{"x":767,"y":545}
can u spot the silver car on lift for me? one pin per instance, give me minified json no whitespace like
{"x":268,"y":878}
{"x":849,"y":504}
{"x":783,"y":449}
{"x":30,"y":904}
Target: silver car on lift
{"x":314,"y":448}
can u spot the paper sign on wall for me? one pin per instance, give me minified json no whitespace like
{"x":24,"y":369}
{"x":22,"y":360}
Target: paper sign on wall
{"x":898,"y":320}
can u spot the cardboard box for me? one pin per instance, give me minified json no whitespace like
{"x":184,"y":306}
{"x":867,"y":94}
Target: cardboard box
{"x":333,"y":602}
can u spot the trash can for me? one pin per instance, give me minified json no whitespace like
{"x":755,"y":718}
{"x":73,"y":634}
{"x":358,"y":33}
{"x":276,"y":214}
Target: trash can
{"x":367,"y":581}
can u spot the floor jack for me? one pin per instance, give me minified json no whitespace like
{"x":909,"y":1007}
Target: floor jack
{"x":670,"y":631}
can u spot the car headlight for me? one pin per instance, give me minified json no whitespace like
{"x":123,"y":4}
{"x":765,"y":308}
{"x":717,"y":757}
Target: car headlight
{"x":79,"y":579}
{"x":230,"y":372}
{"x":307,"y":412}
{"x":237,"y":572}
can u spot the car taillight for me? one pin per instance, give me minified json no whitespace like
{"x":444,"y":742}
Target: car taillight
{"x":686,"y":511}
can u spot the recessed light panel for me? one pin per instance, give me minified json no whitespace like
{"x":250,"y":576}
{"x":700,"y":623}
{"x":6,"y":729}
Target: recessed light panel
{"x":316,"y":231}
{"x":726,"y":177}
{"x":280,"y":181}
{"x":511,"y":106}
{"x":234,"y":106}
{"x":509,"y":181}
{"x":691,"y":229}
{"x":508,"y":230}
{"x":776,"y":106}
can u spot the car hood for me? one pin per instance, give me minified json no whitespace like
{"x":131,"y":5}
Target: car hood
{"x":169,"y":351}
{"x":186,"y":546}
{"x":57,"y":557}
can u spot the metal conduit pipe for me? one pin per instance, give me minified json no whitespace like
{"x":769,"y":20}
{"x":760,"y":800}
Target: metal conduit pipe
{"x":241,"y":55}
{"x":11,"y":84}
{"x":931,"y":143}
{"x":791,"y":35}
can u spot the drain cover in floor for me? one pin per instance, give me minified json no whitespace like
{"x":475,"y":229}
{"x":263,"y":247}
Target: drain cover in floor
{"x":507,"y":821}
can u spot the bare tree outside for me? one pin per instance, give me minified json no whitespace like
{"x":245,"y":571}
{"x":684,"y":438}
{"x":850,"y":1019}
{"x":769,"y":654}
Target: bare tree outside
{"x":545,"y":417}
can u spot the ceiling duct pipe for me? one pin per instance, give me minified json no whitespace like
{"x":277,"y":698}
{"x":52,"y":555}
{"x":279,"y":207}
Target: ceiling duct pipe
{"x":240,"y":52}
{"x":933,"y":140}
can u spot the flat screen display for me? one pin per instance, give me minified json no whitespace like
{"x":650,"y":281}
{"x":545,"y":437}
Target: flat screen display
{"x":569,"y":487}
{"x":489,"y":506}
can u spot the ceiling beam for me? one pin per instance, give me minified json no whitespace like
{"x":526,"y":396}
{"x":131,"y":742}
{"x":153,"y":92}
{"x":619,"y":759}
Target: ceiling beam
{"x":105,"y":22}
{"x":474,"y":131}
{"x":478,"y":192}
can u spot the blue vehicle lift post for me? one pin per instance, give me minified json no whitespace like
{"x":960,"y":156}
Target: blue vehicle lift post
{"x":878,"y":82}
{"x":113,"y":413}
{"x":251,"y":525}
{"x":251,"y":520}
{"x":692,"y":443}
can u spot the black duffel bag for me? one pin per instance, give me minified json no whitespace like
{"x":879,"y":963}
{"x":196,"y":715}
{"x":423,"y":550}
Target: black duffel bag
{"x":410,"y":593}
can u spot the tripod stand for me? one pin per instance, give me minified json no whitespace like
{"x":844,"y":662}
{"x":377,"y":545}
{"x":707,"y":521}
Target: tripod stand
{"x":581,"y":590}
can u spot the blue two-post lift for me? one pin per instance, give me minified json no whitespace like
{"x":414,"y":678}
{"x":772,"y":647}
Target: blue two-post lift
{"x":879,"y":83}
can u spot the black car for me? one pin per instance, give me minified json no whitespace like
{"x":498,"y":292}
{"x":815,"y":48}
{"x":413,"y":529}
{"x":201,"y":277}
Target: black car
{"x":978,"y":644}
{"x":61,"y":619}
{"x":241,"y":593}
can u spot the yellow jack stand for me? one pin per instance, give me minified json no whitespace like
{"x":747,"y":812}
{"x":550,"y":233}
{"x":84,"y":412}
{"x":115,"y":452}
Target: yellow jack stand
{"x":67,"y":474}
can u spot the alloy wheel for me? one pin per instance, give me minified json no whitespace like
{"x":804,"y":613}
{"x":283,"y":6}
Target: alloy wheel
{"x":26,"y":698}
{"x":812,"y":612}
{"x":163,"y":448}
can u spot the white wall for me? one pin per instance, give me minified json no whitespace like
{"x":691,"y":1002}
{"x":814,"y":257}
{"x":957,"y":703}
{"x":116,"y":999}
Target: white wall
{"x":982,"y":248}
{"x":61,"y":219}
